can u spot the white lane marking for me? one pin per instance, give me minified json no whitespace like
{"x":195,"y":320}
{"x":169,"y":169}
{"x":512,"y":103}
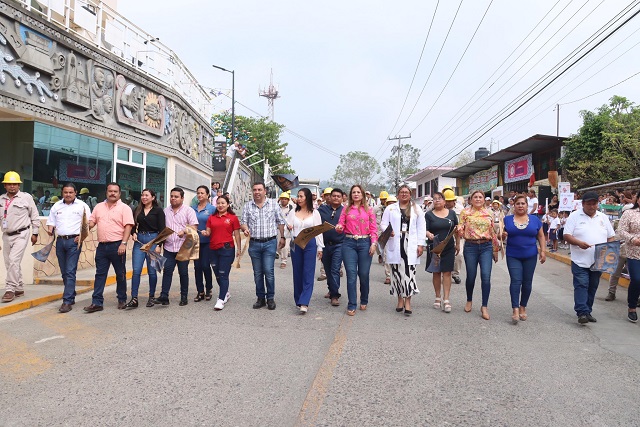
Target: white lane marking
{"x":55,"y":337}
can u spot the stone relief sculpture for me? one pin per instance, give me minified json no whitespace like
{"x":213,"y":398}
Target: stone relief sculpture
{"x":102,"y":93}
{"x":75,"y":84}
{"x":139,"y":108}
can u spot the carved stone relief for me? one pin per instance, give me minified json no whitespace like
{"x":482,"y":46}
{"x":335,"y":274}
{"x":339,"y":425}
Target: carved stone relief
{"x":102,"y":93}
{"x":75,"y":83}
{"x":139,"y":108}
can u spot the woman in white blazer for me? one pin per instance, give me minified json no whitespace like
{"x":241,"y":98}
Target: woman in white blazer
{"x":405,"y":246}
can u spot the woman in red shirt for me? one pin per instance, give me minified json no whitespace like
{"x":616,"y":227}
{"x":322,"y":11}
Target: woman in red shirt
{"x":223,"y":227}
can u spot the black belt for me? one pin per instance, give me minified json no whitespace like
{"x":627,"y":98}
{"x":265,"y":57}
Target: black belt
{"x":266,"y":239}
{"x":13,"y":233}
{"x":70,"y":236}
{"x":332,"y":243}
{"x":111,"y":243}
{"x":146,"y":232}
{"x":478,"y":241}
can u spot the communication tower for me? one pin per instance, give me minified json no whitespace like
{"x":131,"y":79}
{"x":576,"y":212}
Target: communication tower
{"x":271,"y":94}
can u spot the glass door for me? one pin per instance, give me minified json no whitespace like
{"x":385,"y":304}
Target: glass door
{"x":130,"y":174}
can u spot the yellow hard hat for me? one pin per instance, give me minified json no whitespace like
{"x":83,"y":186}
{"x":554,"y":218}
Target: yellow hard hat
{"x":391,"y":199}
{"x":84,"y":190}
{"x":384,"y":195}
{"x":327,"y":190}
{"x":54,"y":199}
{"x":285,"y":195}
{"x":11,"y":177}
{"x":447,"y":187}
{"x":449,"y":195}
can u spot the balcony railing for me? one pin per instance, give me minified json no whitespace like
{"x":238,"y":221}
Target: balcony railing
{"x":97,"y":23}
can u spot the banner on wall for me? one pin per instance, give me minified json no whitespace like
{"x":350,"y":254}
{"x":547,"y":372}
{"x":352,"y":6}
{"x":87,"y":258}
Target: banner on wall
{"x":90,"y":174}
{"x":485,"y":180}
{"x":518,"y":169}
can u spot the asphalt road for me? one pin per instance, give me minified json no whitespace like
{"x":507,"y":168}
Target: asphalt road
{"x":242,"y":367}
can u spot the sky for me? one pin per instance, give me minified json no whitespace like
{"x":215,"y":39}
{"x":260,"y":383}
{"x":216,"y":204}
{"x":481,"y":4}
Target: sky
{"x":344,"y":68}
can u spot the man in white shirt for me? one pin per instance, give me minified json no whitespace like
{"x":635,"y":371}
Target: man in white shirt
{"x":585,"y":228}
{"x":65,"y":219}
{"x":532,"y":200}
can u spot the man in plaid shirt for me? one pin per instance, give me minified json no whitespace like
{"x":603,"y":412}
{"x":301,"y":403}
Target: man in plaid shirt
{"x":261,"y":220}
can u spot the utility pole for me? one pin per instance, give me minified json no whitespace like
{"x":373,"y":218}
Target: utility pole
{"x":557,"y":120}
{"x":399,"y":139}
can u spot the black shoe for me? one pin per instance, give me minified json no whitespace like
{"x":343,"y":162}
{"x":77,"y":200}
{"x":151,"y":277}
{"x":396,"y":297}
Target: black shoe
{"x":277,"y":255}
{"x":161,"y":300}
{"x":183,"y":301}
{"x":582,"y":319}
{"x":456,"y":279}
{"x":611,"y":296}
{"x":150,"y":302}
{"x":591,"y":319}
{"x":261,"y":302}
{"x":632,"y":316}
{"x":93,"y":308}
{"x":271,"y":304}
{"x":132,"y":304}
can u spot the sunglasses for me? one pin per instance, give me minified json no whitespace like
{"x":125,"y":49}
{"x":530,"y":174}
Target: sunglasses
{"x":333,"y":214}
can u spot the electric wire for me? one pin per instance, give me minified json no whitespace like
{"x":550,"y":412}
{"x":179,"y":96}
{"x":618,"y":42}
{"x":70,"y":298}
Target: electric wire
{"x":533,"y":87}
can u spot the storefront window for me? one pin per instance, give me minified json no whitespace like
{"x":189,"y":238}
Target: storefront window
{"x":156,"y":177}
{"x":61,"y":156}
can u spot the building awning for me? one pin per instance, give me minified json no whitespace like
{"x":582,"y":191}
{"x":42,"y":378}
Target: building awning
{"x":534,"y":144}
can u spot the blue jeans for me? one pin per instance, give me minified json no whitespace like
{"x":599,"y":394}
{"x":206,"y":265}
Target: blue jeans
{"x":521,"y":272}
{"x":106,"y":255}
{"x":332,"y":260}
{"x":263,"y":255}
{"x":633,"y":265}
{"x":475,"y":255}
{"x":585,"y":285}
{"x":357,"y":262}
{"x":167,"y":274}
{"x":221,"y":260}
{"x":303,"y":262}
{"x":202,"y":267}
{"x":68,"y":253}
{"x":137,"y":260}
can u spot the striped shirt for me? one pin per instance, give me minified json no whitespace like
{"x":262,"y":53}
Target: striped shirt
{"x":178,"y":221}
{"x":262,"y":222}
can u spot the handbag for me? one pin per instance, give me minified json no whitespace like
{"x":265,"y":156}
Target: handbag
{"x":434,"y":264}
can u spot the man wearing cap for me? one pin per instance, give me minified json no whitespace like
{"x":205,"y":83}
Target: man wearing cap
{"x":450,"y":202}
{"x":65,"y":219}
{"x":370,"y":200}
{"x":332,"y":254}
{"x":19,"y":214}
{"x":326,"y":195}
{"x":285,"y":206}
{"x":382,"y":256}
{"x":86,"y":197}
{"x":427,"y":205}
{"x":585,"y":228}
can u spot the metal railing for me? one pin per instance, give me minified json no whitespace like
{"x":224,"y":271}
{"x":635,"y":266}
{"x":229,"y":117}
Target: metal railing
{"x":103,"y":27}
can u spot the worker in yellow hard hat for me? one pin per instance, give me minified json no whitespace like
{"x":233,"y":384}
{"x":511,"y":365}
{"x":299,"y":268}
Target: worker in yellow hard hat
{"x":54,"y":199}
{"x":379,"y":211}
{"x":16,"y":223}
{"x":326,"y":195}
{"x":391,"y":199}
{"x":85,"y":196}
{"x":284,"y":201}
{"x":450,"y":202}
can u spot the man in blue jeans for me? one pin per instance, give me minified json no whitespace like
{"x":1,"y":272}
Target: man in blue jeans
{"x":261,"y":220}
{"x":65,"y":219}
{"x":332,"y":254}
{"x":585,"y":228}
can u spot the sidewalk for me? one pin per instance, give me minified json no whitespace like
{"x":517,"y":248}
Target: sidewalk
{"x":51,"y":288}
{"x":563,"y":256}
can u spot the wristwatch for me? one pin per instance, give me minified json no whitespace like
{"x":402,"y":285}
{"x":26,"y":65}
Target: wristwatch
{"x":123,"y":243}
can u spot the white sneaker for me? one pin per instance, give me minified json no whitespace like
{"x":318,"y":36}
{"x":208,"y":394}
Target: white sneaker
{"x":219,"y":305}
{"x":226,"y":297}
{"x":303,"y":309}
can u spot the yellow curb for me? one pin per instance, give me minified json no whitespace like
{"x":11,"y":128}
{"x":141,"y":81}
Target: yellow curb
{"x":30,"y":303}
{"x":623,"y":281}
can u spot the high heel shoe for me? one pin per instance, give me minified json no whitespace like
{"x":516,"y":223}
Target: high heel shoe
{"x":199,"y":297}
{"x":484,"y":312}
{"x":400,"y":308}
{"x":150,"y":301}
{"x":437,"y":302}
{"x":467,"y":307}
{"x":132,"y":304}
{"x":516,"y":316}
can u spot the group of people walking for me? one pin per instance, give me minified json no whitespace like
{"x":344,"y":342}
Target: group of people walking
{"x":405,"y":231}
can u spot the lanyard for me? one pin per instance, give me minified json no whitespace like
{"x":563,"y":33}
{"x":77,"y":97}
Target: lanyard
{"x":7,"y":203}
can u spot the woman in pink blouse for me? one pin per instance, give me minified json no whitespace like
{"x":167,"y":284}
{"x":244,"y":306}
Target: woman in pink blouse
{"x":480,"y":246}
{"x":629,"y":231}
{"x":358,"y":222}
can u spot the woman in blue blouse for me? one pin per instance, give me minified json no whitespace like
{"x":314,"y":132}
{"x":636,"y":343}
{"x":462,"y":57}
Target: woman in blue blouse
{"x":523,"y":230}
{"x":202,"y":265}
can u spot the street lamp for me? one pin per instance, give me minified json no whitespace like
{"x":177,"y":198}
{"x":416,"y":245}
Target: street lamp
{"x":233,"y":102}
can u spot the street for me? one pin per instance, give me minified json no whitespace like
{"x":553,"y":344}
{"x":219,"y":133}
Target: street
{"x":244,"y":367}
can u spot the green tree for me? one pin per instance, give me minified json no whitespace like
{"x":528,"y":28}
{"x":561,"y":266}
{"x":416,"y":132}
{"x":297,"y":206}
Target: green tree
{"x":356,"y":167}
{"x":258,"y":135}
{"x":409,"y":161}
{"x":464,"y":158}
{"x":606,"y":147}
